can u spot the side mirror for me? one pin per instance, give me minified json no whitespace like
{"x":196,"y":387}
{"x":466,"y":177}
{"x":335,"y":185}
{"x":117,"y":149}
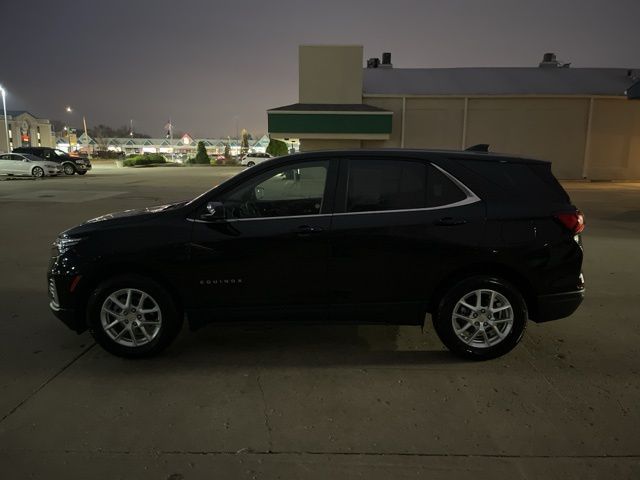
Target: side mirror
{"x":214,"y":211}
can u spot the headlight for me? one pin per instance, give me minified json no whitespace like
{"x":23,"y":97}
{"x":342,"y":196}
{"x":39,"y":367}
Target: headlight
{"x":62,"y":244}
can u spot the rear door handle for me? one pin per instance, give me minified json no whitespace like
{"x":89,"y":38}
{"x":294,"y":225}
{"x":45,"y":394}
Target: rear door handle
{"x":450,"y":221}
{"x":308,"y":229}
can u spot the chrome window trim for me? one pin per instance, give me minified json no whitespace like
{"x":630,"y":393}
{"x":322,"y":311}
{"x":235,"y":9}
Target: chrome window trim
{"x":471,"y":198}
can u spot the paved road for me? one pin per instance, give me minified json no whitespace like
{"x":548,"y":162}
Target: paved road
{"x":312,"y":402}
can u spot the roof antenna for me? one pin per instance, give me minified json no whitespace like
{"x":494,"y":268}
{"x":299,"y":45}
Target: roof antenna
{"x":480,"y":147}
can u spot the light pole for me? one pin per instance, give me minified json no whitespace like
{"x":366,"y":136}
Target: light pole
{"x":6,"y":122}
{"x":68,"y":109}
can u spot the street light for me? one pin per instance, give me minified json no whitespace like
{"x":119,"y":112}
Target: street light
{"x":4,"y":111}
{"x":84,"y":123}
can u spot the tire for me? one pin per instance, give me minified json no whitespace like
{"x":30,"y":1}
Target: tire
{"x":493,"y":331}
{"x":69,"y":169}
{"x":37,"y":172}
{"x":81,"y":172}
{"x":127,"y":338}
{"x":250,"y":164}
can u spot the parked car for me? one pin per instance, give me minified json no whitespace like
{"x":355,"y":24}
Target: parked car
{"x":251,"y":159}
{"x":481,"y":242}
{"x":29,"y":165}
{"x":70,"y":165}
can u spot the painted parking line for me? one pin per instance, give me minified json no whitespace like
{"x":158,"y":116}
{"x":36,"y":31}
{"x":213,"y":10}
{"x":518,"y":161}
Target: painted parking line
{"x":62,"y":196}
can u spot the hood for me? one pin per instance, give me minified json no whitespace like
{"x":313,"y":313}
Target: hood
{"x":118,"y":219}
{"x":135,"y":212}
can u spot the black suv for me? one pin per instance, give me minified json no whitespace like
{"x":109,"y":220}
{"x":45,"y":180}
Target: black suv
{"x":70,"y":164}
{"x":481,"y":242}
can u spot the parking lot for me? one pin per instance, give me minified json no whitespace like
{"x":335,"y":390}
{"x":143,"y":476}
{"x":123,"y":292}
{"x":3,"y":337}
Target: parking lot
{"x":312,"y":402}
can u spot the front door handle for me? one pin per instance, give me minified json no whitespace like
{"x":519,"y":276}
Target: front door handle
{"x":450,"y":221}
{"x":308,"y":229}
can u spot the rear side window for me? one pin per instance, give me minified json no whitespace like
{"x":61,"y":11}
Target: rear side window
{"x":379,"y":185}
{"x":525,"y":180}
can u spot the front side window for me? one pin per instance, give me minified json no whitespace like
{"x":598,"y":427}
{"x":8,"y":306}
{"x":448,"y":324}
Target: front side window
{"x":290,"y":190}
{"x":379,"y":185}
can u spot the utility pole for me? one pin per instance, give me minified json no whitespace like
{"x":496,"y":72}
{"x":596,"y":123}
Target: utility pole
{"x":6,"y":124}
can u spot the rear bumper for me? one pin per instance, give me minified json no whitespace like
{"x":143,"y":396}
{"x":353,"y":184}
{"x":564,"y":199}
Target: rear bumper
{"x":557,"y":305}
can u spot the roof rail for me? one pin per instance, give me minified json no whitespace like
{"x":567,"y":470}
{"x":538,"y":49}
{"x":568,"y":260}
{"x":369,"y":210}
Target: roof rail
{"x":480,"y":147}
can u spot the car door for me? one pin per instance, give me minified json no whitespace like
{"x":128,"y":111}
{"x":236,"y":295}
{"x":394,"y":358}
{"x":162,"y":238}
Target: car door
{"x":267,"y":258}
{"x":398,"y":225}
{"x":21,"y":165}
{"x":5,"y":164}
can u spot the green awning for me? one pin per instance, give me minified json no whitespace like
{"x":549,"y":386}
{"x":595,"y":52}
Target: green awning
{"x":357,"y":121}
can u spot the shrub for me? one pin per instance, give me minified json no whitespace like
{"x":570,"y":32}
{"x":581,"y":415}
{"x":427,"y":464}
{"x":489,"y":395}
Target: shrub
{"x":277,"y":148}
{"x":146,"y":159}
{"x":201,"y":156}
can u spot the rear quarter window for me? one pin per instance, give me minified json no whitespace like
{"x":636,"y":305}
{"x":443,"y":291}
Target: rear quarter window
{"x":527,"y":181}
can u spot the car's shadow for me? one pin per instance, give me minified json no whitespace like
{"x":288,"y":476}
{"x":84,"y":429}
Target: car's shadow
{"x":305,"y":346}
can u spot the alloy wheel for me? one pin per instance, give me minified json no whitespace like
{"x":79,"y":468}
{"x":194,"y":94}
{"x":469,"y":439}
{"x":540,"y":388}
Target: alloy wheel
{"x":482,"y":318}
{"x":38,"y":172}
{"x":131,"y":317}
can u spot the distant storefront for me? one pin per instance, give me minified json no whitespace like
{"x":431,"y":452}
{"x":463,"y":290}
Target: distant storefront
{"x":586,"y":121}
{"x":183,"y":147}
{"x":25,"y":130}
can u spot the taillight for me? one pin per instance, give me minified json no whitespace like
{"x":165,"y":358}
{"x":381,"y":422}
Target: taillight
{"x":574,"y":221}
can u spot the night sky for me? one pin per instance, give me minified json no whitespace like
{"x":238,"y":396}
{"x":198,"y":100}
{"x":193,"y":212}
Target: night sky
{"x":210,"y":64}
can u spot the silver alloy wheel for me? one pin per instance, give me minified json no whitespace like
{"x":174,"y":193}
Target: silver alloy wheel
{"x":69,"y":170}
{"x":131,"y":317}
{"x":482,"y":318}
{"x":38,"y":172}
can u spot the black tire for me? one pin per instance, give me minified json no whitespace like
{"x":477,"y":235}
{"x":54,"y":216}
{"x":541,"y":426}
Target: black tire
{"x":443,"y":318}
{"x":171,"y":320}
{"x":250,"y":164}
{"x":37,"y":172}
{"x":81,"y":172}
{"x":68,"y":169}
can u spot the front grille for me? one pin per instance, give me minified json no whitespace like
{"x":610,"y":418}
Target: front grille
{"x":53,"y":293}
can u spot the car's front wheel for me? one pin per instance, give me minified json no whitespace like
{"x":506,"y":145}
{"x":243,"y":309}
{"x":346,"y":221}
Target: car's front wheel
{"x":68,"y":169}
{"x":133,"y":316}
{"x":81,"y":172}
{"x":481,"y":318}
{"x":37,"y":172}
{"x":250,"y":164}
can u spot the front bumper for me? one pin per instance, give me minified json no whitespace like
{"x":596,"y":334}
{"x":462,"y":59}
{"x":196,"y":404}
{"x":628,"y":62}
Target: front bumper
{"x":557,"y":305}
{"x":68,"y":317}
{"x":83,"y":167}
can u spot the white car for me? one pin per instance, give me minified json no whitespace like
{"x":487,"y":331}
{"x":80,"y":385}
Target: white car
{"x":27,"y":164}
{"x":251,"y":159}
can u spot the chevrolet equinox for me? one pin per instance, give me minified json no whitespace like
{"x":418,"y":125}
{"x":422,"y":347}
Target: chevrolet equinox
{"x":481,"y":242}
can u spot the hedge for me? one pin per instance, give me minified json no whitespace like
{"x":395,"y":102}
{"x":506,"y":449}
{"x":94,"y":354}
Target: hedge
{"x":146,"y":159}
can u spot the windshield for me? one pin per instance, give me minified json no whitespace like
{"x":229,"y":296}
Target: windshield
{"x":60,"y":153}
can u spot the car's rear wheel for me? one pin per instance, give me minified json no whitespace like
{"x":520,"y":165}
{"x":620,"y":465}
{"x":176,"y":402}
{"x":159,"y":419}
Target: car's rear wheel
{"x":37,"y":172}
{"x":133,"y":316}
{"x":481,"y":317}
{"x":250,"y":164}
{"x":69,"y":169}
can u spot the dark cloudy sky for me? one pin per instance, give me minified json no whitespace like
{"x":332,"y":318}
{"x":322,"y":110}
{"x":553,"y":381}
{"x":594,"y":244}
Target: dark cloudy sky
{"x":206,"y":63}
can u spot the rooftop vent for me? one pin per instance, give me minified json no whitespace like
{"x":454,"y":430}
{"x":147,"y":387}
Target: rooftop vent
{"x":376,"y":63}
{"x":549,"y":60}
{"x":386,"y":60}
